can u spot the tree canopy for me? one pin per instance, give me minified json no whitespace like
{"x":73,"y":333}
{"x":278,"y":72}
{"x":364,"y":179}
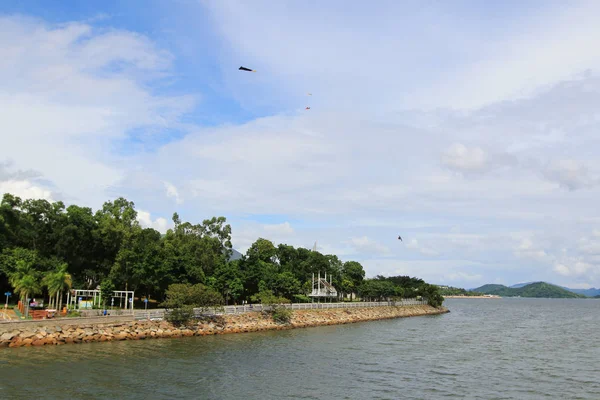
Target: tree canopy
{"x":47,"y":248}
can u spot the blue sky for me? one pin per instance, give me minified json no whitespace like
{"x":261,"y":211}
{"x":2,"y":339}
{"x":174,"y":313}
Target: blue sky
{"x":470,"y":127}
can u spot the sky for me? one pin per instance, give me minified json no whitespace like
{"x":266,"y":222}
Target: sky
{"x":470,"y":128}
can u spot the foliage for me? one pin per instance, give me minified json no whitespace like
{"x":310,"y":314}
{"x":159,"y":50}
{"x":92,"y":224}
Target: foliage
{"x":453,"y":291}
{"x":268,"y":298}
{"x":106,"y":291}
{"x":282,"y":315}
{"x":56,"y":282}
{"x":353,"y":275}
{"x":432,"y":294}
{"x":278,"y":312}
{"x":78,"y":247}
{"x":183,"y":298}
{"x":383,"y":288}
{"x":301,"y":298}
{"x":73,"y":314}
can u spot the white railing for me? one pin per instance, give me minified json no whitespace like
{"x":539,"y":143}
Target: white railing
{"x":226,"y":310}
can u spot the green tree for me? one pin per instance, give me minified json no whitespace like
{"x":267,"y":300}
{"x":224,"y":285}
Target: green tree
{"x":228,"y":281}
{"x":354,"y":274}
{"x":432,"y":294}
{"x":79,"y":245}
{"x":107,"y":287}
{"x":263,"y":250}
{"x":25,"y":279}
{"x":286,"y":285}
{"x":57,"y":281}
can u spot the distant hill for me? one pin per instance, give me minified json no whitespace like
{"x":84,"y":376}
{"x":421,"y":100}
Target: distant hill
{"x":235,"y":255}
{"x":489,"y":288}
{"x":586,"y":292}
{"x":593,"y":292}
{"x":537,"y":289}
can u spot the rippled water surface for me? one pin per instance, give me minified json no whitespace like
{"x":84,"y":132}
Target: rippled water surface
{"x":483,"y":349}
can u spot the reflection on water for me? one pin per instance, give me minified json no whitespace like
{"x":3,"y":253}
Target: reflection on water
{"x":484,"y":348}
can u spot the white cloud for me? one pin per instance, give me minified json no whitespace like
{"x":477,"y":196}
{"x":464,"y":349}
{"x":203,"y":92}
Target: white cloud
{"x":551,"y":46}
{"x":527,"y":249}
{"x":571,"y":174}
{"x":463,"y":158}
{"x":25,"y":190}
{"x":414,"y":245}
{"x":244,"y":233}
{"x":70,"y":91}
{"x":160,"y":224}
{"x":366,"y":245}
{"x":590,"y":245}
{"x":279,"y":229}
{"x":463,"y":277}
{"x":572,"y":268}
{"x":173,"y":192}
{"x":480,"y":61}
{"x":364,"y":163}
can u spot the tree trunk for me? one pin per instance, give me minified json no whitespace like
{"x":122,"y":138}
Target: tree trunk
{"x":60,"y":297}
{"x":56,"y":301}
{"x":26,"y":305}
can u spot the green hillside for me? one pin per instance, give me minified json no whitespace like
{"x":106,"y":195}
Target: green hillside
{"x":454,"y":291}
{"x":489,"y":288}
{"x":537,"y":289}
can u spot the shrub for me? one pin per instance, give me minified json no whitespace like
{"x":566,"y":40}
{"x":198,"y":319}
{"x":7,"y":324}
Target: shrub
{"x":281,"y":315}
{"x":182,"y":298}
{"x":301,"y":298}
{"x":73,"y":314}
{"x":180,"y":316}
{"x":278,"y":313}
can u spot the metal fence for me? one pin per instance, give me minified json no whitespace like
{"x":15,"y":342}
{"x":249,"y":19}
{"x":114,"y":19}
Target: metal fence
{"x":158,"y":314}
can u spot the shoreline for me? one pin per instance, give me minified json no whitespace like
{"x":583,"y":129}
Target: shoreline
{"x":472,"y":297}
{"x":55,"y":334}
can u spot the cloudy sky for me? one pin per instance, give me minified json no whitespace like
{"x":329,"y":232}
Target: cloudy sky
{"x":471,"y":128}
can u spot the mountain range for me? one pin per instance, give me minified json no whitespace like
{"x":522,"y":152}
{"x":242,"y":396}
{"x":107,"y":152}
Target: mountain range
{"x":531,"y":289}
{"x":592,"y":292}
{"x":235,"y":255}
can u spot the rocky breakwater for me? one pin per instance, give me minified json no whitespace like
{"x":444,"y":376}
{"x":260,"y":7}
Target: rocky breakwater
{"x":55,"y":334}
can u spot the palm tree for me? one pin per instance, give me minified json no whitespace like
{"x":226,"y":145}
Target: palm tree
{"x":56,"y":282}
{"x":25,"y":280}
{"x":65,"y":280}
{"x":51,"y":281}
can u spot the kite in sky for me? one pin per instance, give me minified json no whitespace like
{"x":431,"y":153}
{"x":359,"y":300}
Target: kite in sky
{"x":307,"y":108}
{"x":400,"y":238}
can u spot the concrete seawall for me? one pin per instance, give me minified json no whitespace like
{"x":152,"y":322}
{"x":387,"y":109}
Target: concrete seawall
{"x":85,"y":332}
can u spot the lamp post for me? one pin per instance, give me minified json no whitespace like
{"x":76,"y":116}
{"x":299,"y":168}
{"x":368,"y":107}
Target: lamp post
{"x":7,"y":294}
